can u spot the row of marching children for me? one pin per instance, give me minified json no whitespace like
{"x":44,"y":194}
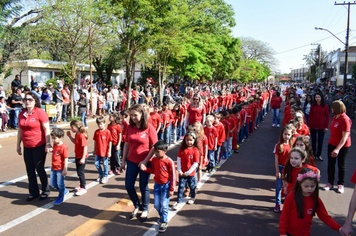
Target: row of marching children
{"x":297,"y":177}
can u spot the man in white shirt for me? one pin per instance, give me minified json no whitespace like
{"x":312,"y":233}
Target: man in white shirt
{"x":300,"y":92}
{"x":115,"y":94}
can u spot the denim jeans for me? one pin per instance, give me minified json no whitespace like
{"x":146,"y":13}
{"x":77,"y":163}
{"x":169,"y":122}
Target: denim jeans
{"x":179,"y":130}
{"x":84,"y":119}
{"x":245,"y":131}
{"x":57,"y":181}
{"x":229,"y":145}
{"x":167,"y":134}
{"x":35,"y":159}
{"x":211,"y":157}
{"x":317,"y":137}
{"x":65,"y":111}
{"x":15,"y":122}
{"x":279,"y":185}
{"x":276,"y":118}
{"x":98,"y":159}
{"x":192,"y":184}
{"x":183,"y":130}
{"x":132,"y":170}
{"x":110,"y":107}
{"x":161,"y":201}
{"x":217,"y":154}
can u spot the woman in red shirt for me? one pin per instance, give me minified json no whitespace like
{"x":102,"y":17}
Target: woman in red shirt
{"x":196,"y":111}
{"x":276,"y":102}
{"x":318,"y":122}
{"x":339,"y":144}
{"x":34,"y":133}
{"x":140,"y":138}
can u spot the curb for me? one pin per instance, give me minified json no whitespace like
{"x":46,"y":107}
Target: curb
{"x":12,"y":134}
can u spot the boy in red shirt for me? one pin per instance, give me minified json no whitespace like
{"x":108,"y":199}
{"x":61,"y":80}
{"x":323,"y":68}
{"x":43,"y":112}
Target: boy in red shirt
{"x":115,"y":129}
{"x":236,"y":117}
{"x":243,"y":123}
{"x":59,"y":164}
{"x":124,"y":123}
{"x":221,"y":135}
{"x":167,"y":118}
{"x":102,"y":149}
{"x":165,"y":180}
{"x":212,"y":134}
{"x":156,"y":118}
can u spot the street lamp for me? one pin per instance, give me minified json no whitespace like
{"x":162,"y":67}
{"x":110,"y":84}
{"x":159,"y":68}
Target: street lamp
{"x":346,"y":51}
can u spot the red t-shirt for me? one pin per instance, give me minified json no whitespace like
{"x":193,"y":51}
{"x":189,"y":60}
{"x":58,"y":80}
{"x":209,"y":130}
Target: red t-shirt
{"x":282,"y":157}
{"x":304,"y":130}
{"x":102,"y":140}
{"x":115,"y":131}
{"x":196,"y":114}
{"x":124,"y":126}
{"x":187,"y":158}
{"x":353,"y":178}
{"x":32,"y":132}
{"x":291,"y":223}
{"x":294,"y":175}
{"x":243,"y":116}
{"x":318,"y":117}
{"x":155,"y":120}
{"x":60,"y":152}
{"x":220,"y":101}
{"x":166,"y":116}
{"x":221,"y":133}
{"x":207,"y":106}
{"x":231,"y":124}
{"x":211,"y":134}
{"x":341,"y":124}
{"x":80,"y":142}
{"x":164,"y":171}
{"x":140,"y":142}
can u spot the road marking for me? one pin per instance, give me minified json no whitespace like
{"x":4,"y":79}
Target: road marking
{"x":153,"y":231}
{"x":7,"y":183}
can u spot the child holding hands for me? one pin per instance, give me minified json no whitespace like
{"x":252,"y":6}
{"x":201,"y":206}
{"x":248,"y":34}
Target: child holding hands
{"x":165,"y":180}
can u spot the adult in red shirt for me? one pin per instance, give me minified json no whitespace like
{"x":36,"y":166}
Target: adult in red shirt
{"x":276,"y":102}
{"x":196,"y":111}
{"x":140,"y":138}
{"x":34,"y":133}
{"x":347,"y":227}
{"x":318,"y":122}
{"x":339,"y":144}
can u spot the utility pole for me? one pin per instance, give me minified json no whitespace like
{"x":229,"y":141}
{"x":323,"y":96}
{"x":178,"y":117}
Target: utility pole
{"x":347,"y":41}
{"x":319,"y":59}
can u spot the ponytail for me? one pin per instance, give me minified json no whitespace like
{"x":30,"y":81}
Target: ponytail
{"x":81,"y":128}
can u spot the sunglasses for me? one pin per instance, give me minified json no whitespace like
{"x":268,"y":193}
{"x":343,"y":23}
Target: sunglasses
{"x":29,"y":99}
{"x":195,"y":99}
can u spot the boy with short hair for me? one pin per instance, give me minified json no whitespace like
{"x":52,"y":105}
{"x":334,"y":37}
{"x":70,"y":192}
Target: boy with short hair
{"x":156,"y":118}
{"x":212,"y":134}
{"x":165,"y":180}
{"x":59,"y":164}
{"x":221,"y":135}
{"x":102,"y":149}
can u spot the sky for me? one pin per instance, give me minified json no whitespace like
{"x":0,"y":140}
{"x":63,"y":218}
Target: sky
{"x":288,"y":26}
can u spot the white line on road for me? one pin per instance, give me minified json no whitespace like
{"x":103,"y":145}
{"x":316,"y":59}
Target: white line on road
{"x":153,"y":231}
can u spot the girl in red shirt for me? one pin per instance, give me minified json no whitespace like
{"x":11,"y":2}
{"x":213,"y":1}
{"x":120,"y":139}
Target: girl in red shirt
{"x":81,"y":152}
{"x":281,"y":151}
{"x":187,"y":163}
{"x":203,"y":147}
{"x":116,"y":134}
{"x":303,"y":142}
{"x":301,"y":205}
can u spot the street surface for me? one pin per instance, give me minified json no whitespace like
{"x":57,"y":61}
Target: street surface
{"x":238,"y":199}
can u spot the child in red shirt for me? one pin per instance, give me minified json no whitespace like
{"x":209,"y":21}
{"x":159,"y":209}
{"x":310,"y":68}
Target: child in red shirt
{"x":203,"y":147}
{"x":59,"y":164}
{"x":301,"y":205}
{"x":166,"y":117}
{"x":165,"y":180}
{"x":281,"y":151}
{"x":116,"y":134}
{"x":212,"y":135}
{"x":187,"y":163}
{"x":102,"y":149}
{"x":156,"y":118}
{"x":81,"y":153}
{"x":124,"y":123}
{"x":221,"y":135}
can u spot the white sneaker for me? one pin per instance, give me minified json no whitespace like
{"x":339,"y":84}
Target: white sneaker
{"x":277,"y":125}
{"x":328,"y":187}
{"x":340,"y":189}
{"x":191,"y":201}
{"x":104,"y":180}
{"x":99,"y":178}
{"x":273,"y":125}
{"x":175,"y":206}
{"x":80,"y":192}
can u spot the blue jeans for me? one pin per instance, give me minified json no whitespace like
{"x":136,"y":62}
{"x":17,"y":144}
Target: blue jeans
{"x":174,"y":131}
{"x":276,"y":118}
{"x":179,"y":130}
{"x":161,"y":201}
{"x":57,"y":181}
{"x":15,"y":122}
{"x":229,"y":145}
{"x":84,"y":119}
{"x":65,"y":111}
{"x":279,"y":185}
{"x":104,"y":173}
{"x":217,"y":154}
{"x":192,"y":184}
{"x":167,"y":134}
{"x":211,"y":158}
{"x":245,"y":131}
{"x":132,"y":170}
{"x":183,"y":130}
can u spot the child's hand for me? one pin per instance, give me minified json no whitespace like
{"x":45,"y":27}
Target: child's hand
{"x":109,"y":154}
{"x":170,"y":193}
{"x":64,"y":172}
{"x":278,"y":175}
{"x":82,"y":161}
{"x":117,"y":147}
{"x":143,"y":167}
{"x":68,"y":133}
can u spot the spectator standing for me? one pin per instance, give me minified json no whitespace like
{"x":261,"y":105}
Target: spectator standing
{"x":16,"y":104}
{"x":58,"y":99}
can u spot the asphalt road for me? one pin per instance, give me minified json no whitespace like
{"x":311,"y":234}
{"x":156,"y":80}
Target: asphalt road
{"x":238,"y":199}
